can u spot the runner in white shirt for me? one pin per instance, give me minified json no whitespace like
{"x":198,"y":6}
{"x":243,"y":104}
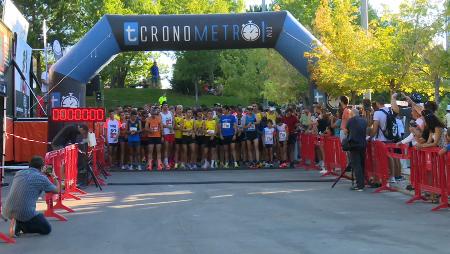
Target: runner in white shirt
{"x":282,"y":144}
{"x":269,"y":140}
{"x":112,"y":136}
{"x":168,"y":133}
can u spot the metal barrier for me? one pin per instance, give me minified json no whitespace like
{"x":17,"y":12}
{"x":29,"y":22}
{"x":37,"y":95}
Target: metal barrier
{"x":308,"y":144}
{"x":379,"y":165}
{"x":56,"y":160}
{"x":334,"y":157}
{"x":3,"y":237}
{"x":430,"y":174}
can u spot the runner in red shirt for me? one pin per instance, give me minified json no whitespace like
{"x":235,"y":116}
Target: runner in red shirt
{"x":292,"y":123}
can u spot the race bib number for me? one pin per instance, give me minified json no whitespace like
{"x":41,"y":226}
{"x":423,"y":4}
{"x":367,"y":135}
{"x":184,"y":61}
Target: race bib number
{"x":226,"y":125}
{"x":113,"y":134}
{"x":133,"y":128}
{"x":283,"y":136}
{"x":251,"y":127}
{"x":210,"y":132}
{"x":155,"y":129}
{"x":124,"y":125}
{"x":268,"y":139}
{"x":168,"y":121}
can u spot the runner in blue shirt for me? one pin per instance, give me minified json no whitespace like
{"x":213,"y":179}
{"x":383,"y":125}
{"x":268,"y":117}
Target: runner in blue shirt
{"x":228,"y":130}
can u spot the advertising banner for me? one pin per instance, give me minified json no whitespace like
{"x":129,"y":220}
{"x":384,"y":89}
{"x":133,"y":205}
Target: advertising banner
{"x":22,"y":91}
{"x":5,"y":54}
{"x":15,"y":21}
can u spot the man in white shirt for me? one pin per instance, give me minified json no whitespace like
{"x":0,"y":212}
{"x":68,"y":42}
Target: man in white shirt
{"x":44,"y":80}
{"x":379,"y":124}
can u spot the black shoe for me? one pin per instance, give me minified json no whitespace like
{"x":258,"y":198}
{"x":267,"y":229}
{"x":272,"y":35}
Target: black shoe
{"x":348,"y":169}
{"x":357,"y":189}
{"x":17,"y":230}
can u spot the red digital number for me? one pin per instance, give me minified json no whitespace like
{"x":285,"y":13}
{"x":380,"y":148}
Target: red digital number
{"x":78,"y":114}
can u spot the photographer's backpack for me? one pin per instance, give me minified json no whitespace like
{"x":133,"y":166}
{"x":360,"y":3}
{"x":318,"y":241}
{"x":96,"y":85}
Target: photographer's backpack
{"x":391,"y":131}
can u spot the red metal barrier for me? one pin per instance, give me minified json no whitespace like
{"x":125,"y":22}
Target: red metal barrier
{"x":430,"y":175}
{"x":3,"y":237}
{"x":71,"y":173}
{"x":56,"y":159}
{"x":377,"y":165}
{"x":308,"y":144}
{"x":98,"y":161}
{"x":334,"y":156}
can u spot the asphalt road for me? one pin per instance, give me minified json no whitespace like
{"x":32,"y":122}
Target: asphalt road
{"x":163,"y":214}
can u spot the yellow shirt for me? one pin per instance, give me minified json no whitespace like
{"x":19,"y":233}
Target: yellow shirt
{"x":210,"y":126}
{"x":199,"y":127}
{"x":179,"y":121}
{"x":188,"y":126}
{"x":117,"y":117}
{"x":272,"y":117}
{"x":258,"y":117}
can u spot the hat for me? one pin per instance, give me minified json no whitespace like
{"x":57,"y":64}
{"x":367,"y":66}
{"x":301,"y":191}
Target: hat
{"x":416,"y":98}
{"x":272,"y":109}
{"x":448,"y":107}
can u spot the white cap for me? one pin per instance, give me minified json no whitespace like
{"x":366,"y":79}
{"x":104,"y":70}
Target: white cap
{"x":448,"y":107}
{"x":272,"y":109}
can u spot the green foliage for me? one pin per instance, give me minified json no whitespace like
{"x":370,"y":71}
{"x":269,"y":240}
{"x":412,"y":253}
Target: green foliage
{"x":193,"y":67}
{"x":140,"y":97}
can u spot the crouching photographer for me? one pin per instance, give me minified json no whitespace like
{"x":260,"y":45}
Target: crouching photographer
{"x":20,"y":205}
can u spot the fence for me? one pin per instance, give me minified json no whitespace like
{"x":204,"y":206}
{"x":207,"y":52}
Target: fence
{"x":430,"y":172}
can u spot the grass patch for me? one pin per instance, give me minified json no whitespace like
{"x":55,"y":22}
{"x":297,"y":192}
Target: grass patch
{"x":139,"y":97}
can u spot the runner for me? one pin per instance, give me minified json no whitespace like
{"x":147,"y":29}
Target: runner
{"x":269,"y":139}
{"x":112,"y":136}
{"x":134,"y":128}
{"x":251,"y":137}
{"x":154,"y":128}
{"x":168,"y":134}
{"x":228,"y":130}
{"x":199,"y":135}
{"x":123,"y":139}
{"x":282,"y":145}
{"x":178,"y":155}
{"x":188,"y":149}
{"x":210,"y":127}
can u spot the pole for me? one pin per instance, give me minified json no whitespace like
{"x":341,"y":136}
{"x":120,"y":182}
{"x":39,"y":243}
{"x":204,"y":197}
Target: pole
{"x":44,"y":32}
{"x":365,"y":26}
{"x":196,"y":92}
{"x":263,"y":5}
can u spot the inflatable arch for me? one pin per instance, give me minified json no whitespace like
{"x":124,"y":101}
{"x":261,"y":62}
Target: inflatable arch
{"x":117,"y":33}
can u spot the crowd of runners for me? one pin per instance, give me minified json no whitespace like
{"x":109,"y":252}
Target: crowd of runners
{"x":177,"y":137}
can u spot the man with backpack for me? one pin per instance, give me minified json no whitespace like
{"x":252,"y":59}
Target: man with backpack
{"x":385,"y":129}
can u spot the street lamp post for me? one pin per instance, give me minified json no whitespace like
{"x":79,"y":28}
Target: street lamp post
{"x":365,"y":26}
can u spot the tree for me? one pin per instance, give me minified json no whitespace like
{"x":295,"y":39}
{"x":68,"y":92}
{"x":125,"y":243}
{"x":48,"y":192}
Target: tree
{"x":401,"y":41}
{"x":338,"y":63}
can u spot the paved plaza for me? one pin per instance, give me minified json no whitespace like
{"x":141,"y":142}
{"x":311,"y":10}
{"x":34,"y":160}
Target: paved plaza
{"x":239,"y":211}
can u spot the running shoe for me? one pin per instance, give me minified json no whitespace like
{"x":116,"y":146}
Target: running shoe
{"x":392,"y":180}
{"x":226,"y":165}
{"x":139,"y":167}
{"x":323,"y":171}
{"x":150,"y":165}
{"x":167,"y":167}
{"x":175,"y":166}
{"x":124,"y":167}
{"x":205,"y":165}
{"x":130,"y":167}
{"x":236,"y":165}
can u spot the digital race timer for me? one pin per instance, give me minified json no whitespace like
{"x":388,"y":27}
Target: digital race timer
{"x":78,"y":114}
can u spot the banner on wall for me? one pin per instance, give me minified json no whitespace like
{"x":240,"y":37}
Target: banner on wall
{"x":22,"y":91}
{"x":5,"y":54}
{"x":15,"y":21}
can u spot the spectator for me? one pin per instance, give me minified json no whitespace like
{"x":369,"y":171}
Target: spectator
{"x":380,"y":118}
{"x":346,"y":113}
{"x":155,"y":74}
{"x":446,"y":149}
{"x":20,"y":205}
{"x":356,"y":132}
{"x":447,"y":117}
{"x":436,"y":129}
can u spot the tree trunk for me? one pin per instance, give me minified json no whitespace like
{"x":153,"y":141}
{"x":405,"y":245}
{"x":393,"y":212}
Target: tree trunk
{"x":437,"y":85}
{"x":353,"y":97}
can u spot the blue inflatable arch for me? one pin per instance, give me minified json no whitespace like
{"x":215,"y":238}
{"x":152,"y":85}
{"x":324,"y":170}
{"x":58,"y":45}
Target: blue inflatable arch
{"x":117,"y":33}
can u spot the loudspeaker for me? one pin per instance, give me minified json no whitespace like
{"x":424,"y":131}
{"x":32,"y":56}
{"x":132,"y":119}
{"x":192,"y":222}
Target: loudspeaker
{"x":93,"y":86}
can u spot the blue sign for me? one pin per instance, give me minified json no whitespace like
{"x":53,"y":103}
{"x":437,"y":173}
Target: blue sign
{"x":131,"y":33}
{"x":55,"y":99}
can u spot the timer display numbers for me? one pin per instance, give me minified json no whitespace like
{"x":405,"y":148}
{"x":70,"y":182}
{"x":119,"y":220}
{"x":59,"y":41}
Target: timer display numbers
{"x":78,"y":114}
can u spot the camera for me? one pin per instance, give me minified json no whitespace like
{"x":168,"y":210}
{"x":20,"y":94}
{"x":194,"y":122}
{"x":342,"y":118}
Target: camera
{"x":48,"y":170}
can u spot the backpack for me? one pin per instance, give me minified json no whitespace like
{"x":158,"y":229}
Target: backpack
{"x":391,"y":131}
